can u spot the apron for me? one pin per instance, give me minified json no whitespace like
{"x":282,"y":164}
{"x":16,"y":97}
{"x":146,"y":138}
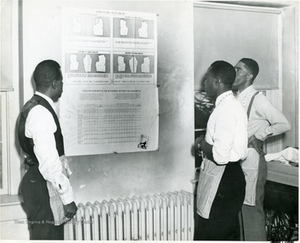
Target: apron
{"x":209,"y":180}
{"x":56,"y":204}
{"x":250,"y":168}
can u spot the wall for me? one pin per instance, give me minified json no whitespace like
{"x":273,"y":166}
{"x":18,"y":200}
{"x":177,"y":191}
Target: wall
{"x":290,"y":82}
{"x":121,"y":175}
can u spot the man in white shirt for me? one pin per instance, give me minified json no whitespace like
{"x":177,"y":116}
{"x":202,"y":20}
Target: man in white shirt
{"x":41,"y":140}
{"x":221,"y":186}
{"x":264,"y":121}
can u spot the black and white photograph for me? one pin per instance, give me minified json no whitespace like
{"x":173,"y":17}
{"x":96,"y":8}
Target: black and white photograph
{"x":139,"y":120}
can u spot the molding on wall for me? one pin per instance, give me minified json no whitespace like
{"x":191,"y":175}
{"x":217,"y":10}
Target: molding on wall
{"x":232,"y":6}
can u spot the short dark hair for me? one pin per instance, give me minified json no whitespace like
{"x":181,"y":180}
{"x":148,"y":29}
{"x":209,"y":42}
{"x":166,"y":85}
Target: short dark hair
{"x":251,"y":65}
{"x":223,"y":70}
{"x":45,"y":73}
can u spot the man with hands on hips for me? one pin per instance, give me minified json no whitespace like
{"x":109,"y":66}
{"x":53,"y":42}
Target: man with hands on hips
{"x":264,"y":121}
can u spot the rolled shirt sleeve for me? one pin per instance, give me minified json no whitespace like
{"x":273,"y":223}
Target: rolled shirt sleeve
{"x":272,"y":121}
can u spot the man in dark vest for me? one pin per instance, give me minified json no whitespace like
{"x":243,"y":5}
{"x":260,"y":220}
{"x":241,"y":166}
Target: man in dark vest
{"x":45,"y":188}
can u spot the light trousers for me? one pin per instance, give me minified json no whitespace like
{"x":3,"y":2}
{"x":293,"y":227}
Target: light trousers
{"x":254,"y":221}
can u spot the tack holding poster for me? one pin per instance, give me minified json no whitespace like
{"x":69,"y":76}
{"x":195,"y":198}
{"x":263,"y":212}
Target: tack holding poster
{"x":110,"y":98}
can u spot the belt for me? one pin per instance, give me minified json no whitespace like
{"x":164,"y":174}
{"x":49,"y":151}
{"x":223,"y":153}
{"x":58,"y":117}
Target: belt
{"x":234,"y":162}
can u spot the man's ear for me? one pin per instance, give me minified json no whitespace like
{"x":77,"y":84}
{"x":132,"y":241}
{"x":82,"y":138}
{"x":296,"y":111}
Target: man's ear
{"x":249,"y":76}
{"x":54,"y":84}
{"x":218,"y":81}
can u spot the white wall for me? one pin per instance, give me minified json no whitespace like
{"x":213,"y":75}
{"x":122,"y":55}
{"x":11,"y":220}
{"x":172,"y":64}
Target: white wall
{"x":121,"y":175}
{"x":290,"y":73}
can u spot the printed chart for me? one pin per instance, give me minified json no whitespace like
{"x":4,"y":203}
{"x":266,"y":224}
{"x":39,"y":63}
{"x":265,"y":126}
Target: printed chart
{"x":110,"y":98}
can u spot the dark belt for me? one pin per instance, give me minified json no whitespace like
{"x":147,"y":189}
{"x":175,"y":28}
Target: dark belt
{"x":234,"y":162}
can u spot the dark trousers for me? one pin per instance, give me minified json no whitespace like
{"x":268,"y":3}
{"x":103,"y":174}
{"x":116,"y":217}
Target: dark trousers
{"x":37,"y":207}
{"x":223,"y":222}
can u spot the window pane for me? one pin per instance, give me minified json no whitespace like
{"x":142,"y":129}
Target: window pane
{"x":6,"y":46}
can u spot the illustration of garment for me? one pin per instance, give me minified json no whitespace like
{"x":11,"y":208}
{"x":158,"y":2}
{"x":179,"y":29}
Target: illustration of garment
{"x":98,"y":27}
{"x":87,"y":62}
{"x":123,"y":27}
{"x":76,"y":25}
{"x":143,"y":31}
{"x":121,"y":64}
{"x":146,"y":65}
{"x":100,"y":65}
{"x":133,"y":62}
{"x":73,"y":62}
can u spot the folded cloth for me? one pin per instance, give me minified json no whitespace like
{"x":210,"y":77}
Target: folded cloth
{"x":285,"y":156}
{"x":56,"y":204}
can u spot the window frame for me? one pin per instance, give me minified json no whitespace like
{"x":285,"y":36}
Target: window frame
{"x":12,"y":97}
{"x":4,"y":143}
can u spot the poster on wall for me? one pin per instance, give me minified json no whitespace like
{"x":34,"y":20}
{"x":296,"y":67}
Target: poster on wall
{"x":110,"y":98}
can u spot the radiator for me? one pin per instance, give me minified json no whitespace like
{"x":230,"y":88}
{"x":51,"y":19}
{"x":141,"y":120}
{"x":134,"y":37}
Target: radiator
{"x":164,"y":216}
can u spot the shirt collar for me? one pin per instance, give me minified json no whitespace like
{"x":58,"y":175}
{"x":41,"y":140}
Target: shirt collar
{"x":246,"y":92}
{"x":49,"y":100}
{"x":221,"y":97}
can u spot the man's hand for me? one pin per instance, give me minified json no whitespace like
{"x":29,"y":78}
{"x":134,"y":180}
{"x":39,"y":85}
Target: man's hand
{"x":256,"y":144}
{"x":70,"y":210}
{"x":198,"y":143}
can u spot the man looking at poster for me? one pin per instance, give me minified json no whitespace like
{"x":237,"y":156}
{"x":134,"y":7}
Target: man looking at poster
{"x":264,"y":121}
{"x":221,"y":186}
{"x":45,"y":187}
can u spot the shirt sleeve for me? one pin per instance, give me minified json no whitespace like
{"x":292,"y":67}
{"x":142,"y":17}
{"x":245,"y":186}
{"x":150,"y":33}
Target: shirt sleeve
{"x":40,"y":126}
{"x":224,"y":138}
{"x":278,"y":123}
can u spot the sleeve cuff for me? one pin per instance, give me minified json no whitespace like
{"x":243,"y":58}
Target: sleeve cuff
{"x":263,"y":136}
{"x":68,"y":197}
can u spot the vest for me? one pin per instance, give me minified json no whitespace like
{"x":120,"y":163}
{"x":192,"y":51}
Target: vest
{"x":27,"y":143}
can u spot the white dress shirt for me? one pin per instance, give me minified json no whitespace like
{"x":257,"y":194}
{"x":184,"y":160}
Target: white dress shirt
{"x":40,"y":126}
{"x":265,"y":119}
{"x":227,"y":130}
